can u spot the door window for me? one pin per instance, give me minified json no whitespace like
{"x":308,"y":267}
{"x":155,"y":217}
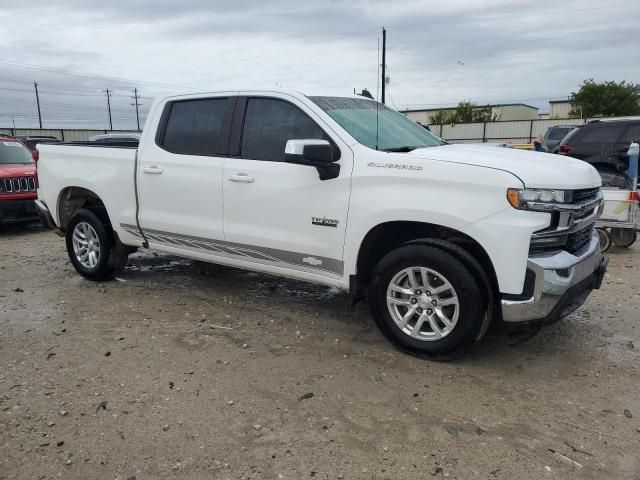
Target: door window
{"x":631,"y":134}
{"x":195,"y":127}
{"x":269,"y":123}
{"x":601,"y":134}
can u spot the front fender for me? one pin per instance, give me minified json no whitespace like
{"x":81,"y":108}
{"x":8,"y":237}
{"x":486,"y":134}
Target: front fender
{"x":467,"y":198}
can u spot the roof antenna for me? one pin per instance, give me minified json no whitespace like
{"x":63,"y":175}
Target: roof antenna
{"x":378,"y":98}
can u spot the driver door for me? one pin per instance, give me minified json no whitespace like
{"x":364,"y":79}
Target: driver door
{"x":280,"y":213}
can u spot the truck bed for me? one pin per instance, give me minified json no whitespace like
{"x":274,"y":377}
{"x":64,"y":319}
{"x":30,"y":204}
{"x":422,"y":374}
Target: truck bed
{"x":77,"y":165}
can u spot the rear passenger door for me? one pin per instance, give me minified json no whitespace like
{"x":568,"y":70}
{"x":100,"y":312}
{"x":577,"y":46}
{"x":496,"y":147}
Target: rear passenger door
{"x":595,"y":142}
{"x":180,"y":173}
{"x":281,"y":214}
{"x":630,"y":134}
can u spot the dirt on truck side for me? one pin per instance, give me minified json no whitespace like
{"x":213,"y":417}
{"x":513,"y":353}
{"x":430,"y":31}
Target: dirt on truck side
{"x":180,"y":370}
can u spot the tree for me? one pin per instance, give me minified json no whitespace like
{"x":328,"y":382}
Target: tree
{"x":443,"y":117}
{"x":484,"y":114}
{"x":606,"y":99}
{"x":464,"y":112}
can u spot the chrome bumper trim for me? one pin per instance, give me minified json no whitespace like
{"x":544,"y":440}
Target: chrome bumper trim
{"x":554,"y":275}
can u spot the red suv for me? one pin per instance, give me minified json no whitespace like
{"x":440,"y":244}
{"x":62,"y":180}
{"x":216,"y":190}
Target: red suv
{"x":18,"y":182}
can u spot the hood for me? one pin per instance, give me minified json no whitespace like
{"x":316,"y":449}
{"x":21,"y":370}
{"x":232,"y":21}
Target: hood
{"x":535,"y":169}
{"x":17,"y":169}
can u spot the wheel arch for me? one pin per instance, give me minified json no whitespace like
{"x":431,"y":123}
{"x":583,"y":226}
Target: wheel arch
{"x":387,"y":236}
{"x":73,"y":198}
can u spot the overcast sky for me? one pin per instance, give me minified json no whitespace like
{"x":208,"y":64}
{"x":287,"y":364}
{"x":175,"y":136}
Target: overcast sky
{"x":439,"y":52}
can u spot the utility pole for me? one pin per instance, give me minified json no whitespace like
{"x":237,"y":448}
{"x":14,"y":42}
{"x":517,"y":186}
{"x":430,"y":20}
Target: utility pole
{"x":108,"y":93}
{"x":135,"y":97}
{"x":384,"y":62}
{"x":35,"y":84}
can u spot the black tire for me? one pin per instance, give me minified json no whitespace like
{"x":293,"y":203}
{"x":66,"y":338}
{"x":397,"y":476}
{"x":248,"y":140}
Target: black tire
{"x":605,"y":239}
{"x":623,"y":237}
{"x":113,"y":256}
{"x":472,"y":305}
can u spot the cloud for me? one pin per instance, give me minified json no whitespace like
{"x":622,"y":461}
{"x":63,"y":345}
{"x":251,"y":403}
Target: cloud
{"x":438,"y":52}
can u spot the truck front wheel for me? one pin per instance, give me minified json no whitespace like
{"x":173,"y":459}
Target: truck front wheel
{"x":426,"y":301}
{"x":92,"y":248}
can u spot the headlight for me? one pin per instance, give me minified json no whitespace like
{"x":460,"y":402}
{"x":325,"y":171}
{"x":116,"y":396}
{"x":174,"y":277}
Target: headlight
{"x":518,"y":198}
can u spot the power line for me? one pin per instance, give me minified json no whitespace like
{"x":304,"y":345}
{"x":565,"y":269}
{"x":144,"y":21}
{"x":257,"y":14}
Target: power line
{"x":62,"y":91}
{"x":62,"y":71}
{"x":62,"y":106}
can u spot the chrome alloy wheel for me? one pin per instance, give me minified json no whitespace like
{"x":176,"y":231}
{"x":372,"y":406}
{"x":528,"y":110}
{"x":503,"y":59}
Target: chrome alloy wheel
{"x":86,"y":245}
{"x":423,"y":303}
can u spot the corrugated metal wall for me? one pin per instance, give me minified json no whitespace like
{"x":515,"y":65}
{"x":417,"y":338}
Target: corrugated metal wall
{"x":68,"y":135}
{"x":516,"y":131}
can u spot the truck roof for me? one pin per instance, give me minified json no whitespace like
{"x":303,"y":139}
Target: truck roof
{"x":285,"y":91}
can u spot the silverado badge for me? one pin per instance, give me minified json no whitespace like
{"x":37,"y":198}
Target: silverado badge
{"x":324,"y":221}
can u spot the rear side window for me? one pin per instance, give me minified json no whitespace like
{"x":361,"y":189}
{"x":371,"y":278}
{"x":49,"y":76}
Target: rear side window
{"x":558,"y":133}
{"x":269,"y":123}
{"x":601,"y":133}
{"x":631,"y":134}
{"x":195,"y":127}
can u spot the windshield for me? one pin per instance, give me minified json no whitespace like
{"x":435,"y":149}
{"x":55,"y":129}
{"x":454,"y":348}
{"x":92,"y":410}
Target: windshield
{"x":376,"y":126}
{"x":14,"y":152}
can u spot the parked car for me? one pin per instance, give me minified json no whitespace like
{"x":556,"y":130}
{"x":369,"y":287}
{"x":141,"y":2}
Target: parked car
{"x":554,"y":135}
{"x":602,"y":141}
{"x":18,"y":183}
{"x":343,"y":192}
{"x":32,"y":141}
{"x":116,"y":137}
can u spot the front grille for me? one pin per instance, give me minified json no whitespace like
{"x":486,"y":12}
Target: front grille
{"x":579,"y":222}
{"x":578,"y":240}
{"x":18,"y":185}
{"x":585,"y":194}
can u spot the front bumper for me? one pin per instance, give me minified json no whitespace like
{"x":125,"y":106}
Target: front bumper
{"x":17,"y":211}
{"x":556,"y":285}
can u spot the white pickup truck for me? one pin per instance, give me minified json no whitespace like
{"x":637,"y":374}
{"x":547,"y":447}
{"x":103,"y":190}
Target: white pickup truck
{"x":343,"y":192}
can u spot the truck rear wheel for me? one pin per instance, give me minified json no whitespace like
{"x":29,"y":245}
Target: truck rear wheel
{"x":426,"y":301}
{"x":92,"y":248}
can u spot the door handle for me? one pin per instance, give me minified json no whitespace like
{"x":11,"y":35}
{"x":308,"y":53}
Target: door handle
{"x":240,"y":178}
{"x":153,"y":169}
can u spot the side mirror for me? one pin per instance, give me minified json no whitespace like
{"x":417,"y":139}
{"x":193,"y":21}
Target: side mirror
{"x":314,"y":153}
{"x":35,"y":154}
{"x":309,"y":150}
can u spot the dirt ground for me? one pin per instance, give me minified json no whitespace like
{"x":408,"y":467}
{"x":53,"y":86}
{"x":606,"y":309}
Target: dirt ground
{"x":174,"y":370}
